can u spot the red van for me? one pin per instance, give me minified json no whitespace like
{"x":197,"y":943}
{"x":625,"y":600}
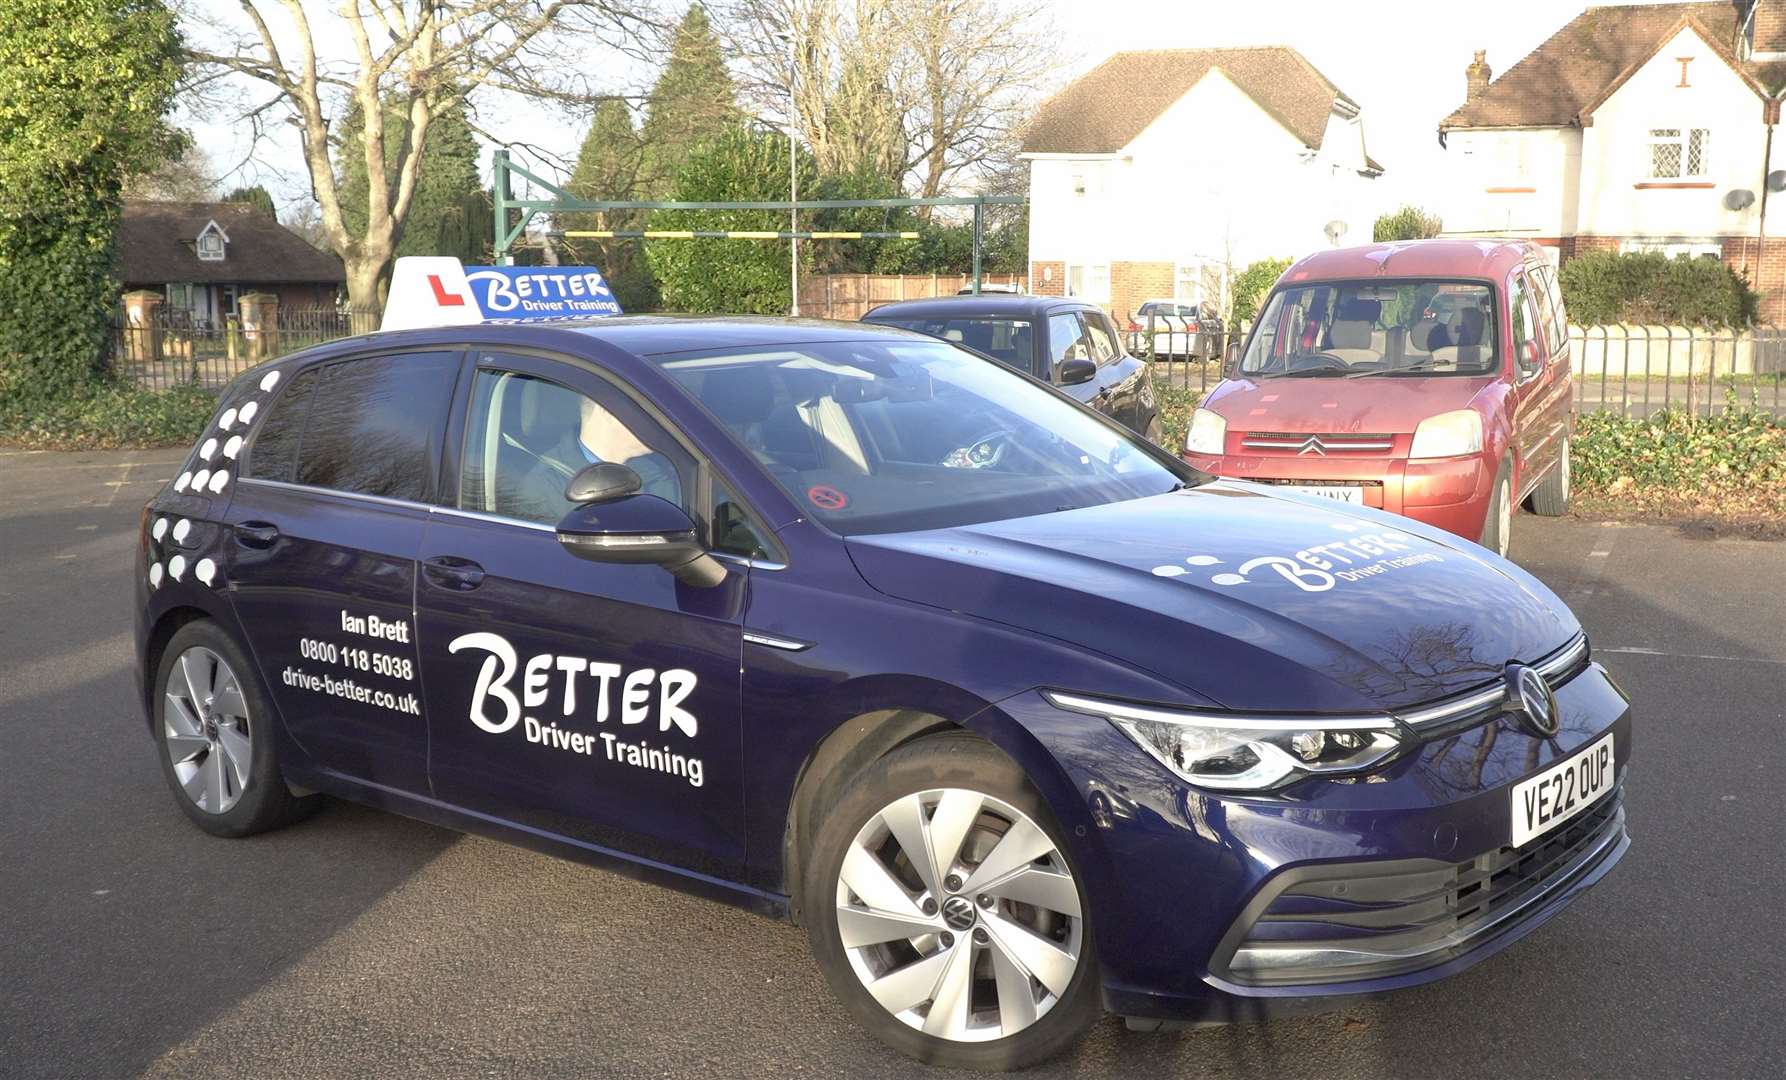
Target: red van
{"x":1428,"y":378}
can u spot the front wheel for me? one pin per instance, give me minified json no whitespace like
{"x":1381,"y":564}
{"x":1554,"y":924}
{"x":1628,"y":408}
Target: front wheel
{"x":1551,"y":498}
{"x":1497,"y":529}
{"x":212,"y":729}
{"x":945,"y":913}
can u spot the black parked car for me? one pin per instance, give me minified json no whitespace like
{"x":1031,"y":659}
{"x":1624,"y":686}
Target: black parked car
{"x":1069,"y":343}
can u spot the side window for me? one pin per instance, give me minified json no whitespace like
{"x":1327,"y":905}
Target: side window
{"x":1066,"y":339}
{"x":375,"y":425}
{"x":732,"y":531}
{"x":274,"y":453}
{"x":1527,"y":353}
{"x":1552,"y":297}
{"x":527,"y":436}
{"x":1101,"y":336}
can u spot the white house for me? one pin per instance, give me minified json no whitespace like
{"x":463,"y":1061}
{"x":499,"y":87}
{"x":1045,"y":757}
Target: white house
{"x":1633,"y":129}
{"x":1160,"y":171}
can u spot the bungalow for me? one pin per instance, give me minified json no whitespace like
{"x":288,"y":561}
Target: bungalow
{"x":202,"y":257}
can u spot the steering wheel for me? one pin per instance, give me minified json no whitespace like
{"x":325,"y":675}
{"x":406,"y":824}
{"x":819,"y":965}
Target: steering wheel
{"x":985,"y":452}
{"x":1328,"y":360}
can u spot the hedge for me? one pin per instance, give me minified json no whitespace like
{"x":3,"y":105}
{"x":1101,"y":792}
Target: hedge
{"x":1651,"y":288}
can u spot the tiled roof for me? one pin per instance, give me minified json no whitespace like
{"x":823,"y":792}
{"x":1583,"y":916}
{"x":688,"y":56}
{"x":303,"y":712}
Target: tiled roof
{"x":1105,"y":109}
{"x":155,"y":246}
{"x":1575,"y":70}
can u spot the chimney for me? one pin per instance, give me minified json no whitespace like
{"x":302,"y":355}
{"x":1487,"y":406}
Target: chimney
{"x":1477,"y":76}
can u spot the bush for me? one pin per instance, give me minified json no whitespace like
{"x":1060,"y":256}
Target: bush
{"x":1408,"y":223}
{"x":1251,"y":285}
{"x":106,"y":415}
{"x":1651,"y":288}
{"x":1728,"y":469}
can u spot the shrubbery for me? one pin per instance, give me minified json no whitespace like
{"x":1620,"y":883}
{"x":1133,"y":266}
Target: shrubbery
{"x":1251,"y":285}
{"x":105,"y":415}
{"x":1408,"y":223}
{"x":1651,"y":288}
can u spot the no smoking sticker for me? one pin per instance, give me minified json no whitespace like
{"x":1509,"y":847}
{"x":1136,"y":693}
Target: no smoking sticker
{"x":826,"y":497}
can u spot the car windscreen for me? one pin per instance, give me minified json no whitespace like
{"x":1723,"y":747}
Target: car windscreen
{"x":892,"y":436}
{"x":1368,"y":328}
{"x":1009,"y":341}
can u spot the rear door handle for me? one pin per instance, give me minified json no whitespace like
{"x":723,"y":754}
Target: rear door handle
{"x":452,"y":572}
{"x":257,"y":534}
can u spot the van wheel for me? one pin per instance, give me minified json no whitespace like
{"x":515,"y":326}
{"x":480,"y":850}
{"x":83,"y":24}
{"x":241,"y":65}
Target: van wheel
{"x":1497,"y":529}
{"x":214,"y":737}
{"x":1551,"y":498}
{"x":945,"y":912}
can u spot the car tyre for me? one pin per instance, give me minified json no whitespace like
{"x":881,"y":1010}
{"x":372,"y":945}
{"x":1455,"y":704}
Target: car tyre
{"x":1551,"y":499}
{"x":213,"y":735}
{"x":979,"y":954}
{"x":1497,"y":528}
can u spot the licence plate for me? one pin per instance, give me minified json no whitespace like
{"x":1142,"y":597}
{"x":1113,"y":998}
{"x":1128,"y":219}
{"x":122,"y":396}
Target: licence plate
{"x":1543,"y":802}
{"x":1338,"y":494}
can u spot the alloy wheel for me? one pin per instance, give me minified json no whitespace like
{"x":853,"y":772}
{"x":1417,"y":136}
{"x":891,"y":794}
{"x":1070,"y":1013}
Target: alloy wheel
{"x":206,"y":728}
{"x":959,"y":915}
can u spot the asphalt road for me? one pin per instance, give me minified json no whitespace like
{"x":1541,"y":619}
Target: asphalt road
{"x":359,"y":944}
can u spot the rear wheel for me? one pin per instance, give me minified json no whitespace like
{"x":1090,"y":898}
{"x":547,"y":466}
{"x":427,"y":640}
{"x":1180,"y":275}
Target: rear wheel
{"x":1551,"y":498}
{"x":1497,"y":530}
{"x":945,"y":913}
{"x":212,"y":730}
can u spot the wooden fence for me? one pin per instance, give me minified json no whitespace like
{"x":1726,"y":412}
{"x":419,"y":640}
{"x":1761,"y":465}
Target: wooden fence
{"x":851,"y":296}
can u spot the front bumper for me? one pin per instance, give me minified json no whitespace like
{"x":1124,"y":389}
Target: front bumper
{"x":1447,"y":493}
{"x":1193,"y":891}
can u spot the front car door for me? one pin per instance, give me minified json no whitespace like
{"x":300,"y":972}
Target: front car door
{"x":1121,"y":378}
{"x":589,"y":701}
{"x":328,"y":515}
{"x":1536,"y":437}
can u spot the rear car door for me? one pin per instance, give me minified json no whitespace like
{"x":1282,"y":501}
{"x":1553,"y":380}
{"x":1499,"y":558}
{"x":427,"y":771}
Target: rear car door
{"x":1535,"y":433}
{"x":593,"y":701}
{"x":327,"y":518}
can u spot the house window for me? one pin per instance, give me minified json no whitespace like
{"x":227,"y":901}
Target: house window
{"x":1187,"y":284}
{"x":1089,"y":281}
{"x":1679,"y":153}
{"x":1676,"y":249}
{"x":179,"y":296}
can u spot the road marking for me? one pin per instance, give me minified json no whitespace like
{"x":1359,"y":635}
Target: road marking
{"x":1638,"y":650}
{"x":1593,"y":568}
{"x":85,"y":528}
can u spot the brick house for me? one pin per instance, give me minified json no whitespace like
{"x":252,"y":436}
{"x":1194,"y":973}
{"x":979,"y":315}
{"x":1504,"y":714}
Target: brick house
{"x":203,"y":256}
{"x":1159,"y":173}
{"x":1631,"y":129}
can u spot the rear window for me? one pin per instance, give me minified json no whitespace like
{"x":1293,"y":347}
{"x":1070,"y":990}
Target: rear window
{"x":1009,"y":341}
{"x":1335,"y":329}
{"x":376,"y":425}
{"x":274,"y":452}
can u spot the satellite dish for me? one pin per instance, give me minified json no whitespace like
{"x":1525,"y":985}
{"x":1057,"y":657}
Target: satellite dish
{"x":1334,"y":230}
{"x":1776,"y":180}
{"x":1738,"y":199}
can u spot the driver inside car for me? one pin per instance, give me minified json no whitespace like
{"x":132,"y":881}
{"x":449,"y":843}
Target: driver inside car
{"x":597,"y":436}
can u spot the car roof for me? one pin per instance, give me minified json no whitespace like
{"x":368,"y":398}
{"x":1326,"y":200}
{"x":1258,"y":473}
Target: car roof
{"x":1484,"y":258}
{"x":985,"y":304}
{"x":643,"y":335}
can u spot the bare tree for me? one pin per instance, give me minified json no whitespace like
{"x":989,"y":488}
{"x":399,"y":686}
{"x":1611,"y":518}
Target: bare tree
{"x":407,"y":62}
{"x":945,"y":81}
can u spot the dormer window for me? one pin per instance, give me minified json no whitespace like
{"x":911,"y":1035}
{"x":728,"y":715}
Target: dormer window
{"x":210,"y":243}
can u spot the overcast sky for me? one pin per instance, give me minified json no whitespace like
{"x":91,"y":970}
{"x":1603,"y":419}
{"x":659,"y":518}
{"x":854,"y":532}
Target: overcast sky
{"x":1402,"y":60}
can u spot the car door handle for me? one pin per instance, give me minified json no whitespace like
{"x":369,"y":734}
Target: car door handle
{"x":452,"y":572}
{"x":257,"y":534}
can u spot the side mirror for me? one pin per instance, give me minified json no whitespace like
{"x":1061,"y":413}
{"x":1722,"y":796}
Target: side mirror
{"x":636,"y":529}
{"x":1077,"y":370}
{"x":602,"y":482}
{"x":1231,"y":361}
{"x":1528,"y":358}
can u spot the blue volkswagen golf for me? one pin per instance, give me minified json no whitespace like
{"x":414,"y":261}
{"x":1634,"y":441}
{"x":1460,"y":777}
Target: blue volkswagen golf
{"x":1021,"y":718}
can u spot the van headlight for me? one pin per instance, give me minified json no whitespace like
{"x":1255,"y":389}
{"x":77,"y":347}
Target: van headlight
{"x":1451,"y":434}
{"x":1232,"y":752}
{"x":1208,"y":433}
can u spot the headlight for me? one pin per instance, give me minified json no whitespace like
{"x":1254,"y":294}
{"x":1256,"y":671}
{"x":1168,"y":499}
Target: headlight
{"x":1208,"y":433}
{"x":1245,"y":753}
{"x":1451,"y":434}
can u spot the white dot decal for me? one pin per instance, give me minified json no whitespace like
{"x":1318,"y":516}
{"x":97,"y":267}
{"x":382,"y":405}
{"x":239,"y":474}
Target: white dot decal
{"x":160,"y":529}
{"x":227,"y":420}
{"x":1169,"y":571}
{"x":1203,"y":560}
{"x":1228,"y":579}
{"x":180,"y":531}
{"x":233,"y":447}
{"x":205,"y":570}
{"x":180,"y":484}
{"x":209,"y":450}
{"x":176,"y":566}
{"x":200,"y":479}
{"x":218,"y":479}
{"x":155,"y":576}
{"x":269,"y":380}
{"x":249,"y":410}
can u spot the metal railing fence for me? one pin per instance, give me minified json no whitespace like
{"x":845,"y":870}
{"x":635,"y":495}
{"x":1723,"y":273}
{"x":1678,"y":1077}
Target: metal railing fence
{"x":171,"y":348}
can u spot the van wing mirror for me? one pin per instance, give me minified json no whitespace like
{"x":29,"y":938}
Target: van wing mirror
{"x":1231,"y":361}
